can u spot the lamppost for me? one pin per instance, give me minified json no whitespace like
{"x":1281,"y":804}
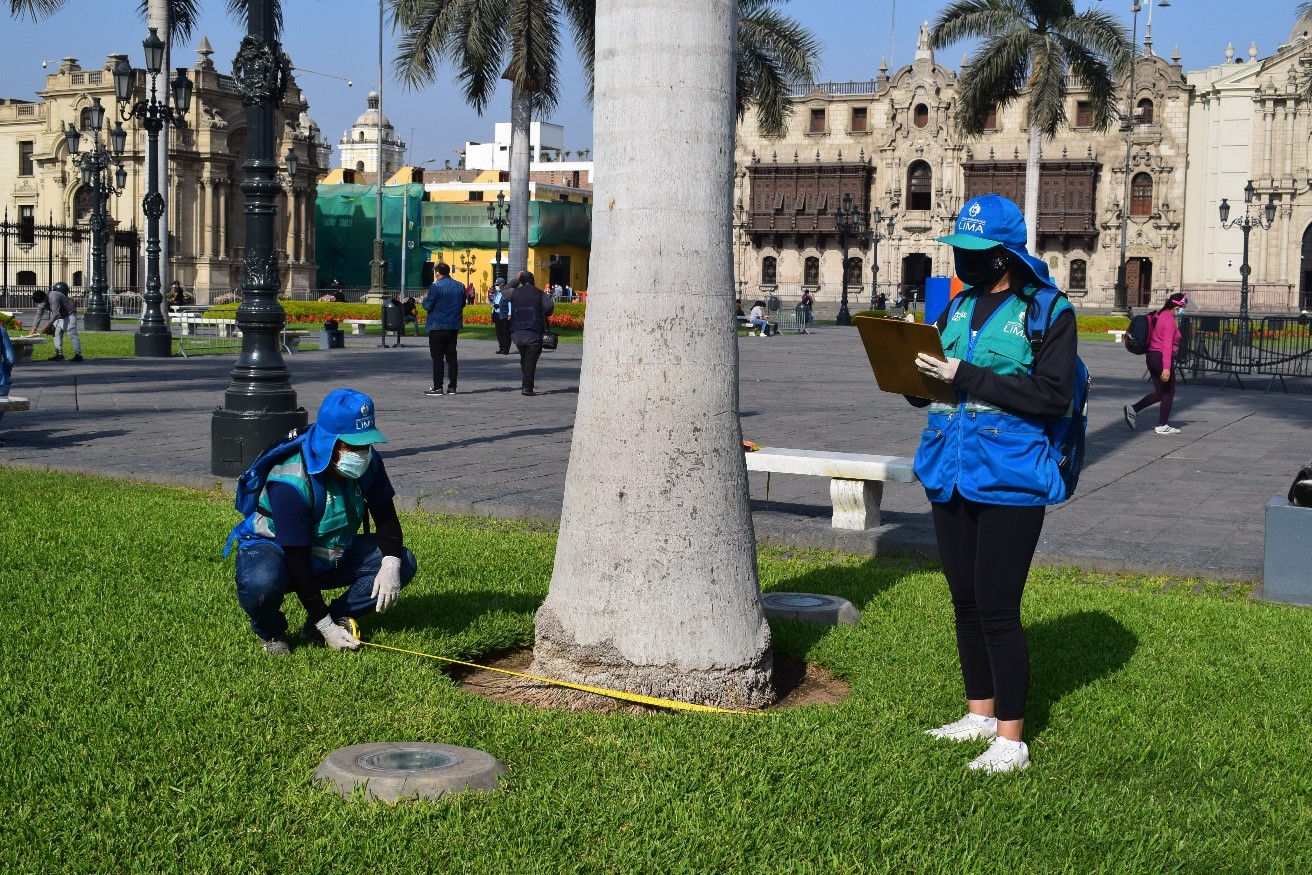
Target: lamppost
{"x":1247,"y":223}
{"x":875,"y":236}
{"x":94,"y":166}
{"x":153,"y":337}
{"x":260,"y":405}
{"x":846,"y":219}
{"x":498,"y":216}
{"x":467,"y":263}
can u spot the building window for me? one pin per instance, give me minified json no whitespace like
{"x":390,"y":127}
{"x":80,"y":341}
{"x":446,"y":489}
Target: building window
{"x":1143,"y":113}
{"x":1141,"y":195}
{"x":359,"y":167}
{"x":84,"y":121}
{"x":991,"y":118}
{"x":25,"y":158}
{"x":26,"y":277}
{"x":811,"y":271}
{"x":817,"y":121}
{"x":27,"y":230}
{"x":920,"y":186}
{"x":769,"y":271}
{"x":1083,"y":114}
{"x":854,"y":272}
{"x":1079,"y":274}
{"x":920,"y":115}
{"x":476,"y":195}
{"x":859,"y":118}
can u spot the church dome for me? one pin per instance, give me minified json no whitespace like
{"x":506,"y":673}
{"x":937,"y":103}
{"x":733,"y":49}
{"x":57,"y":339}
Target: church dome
{"x":370,"y":117}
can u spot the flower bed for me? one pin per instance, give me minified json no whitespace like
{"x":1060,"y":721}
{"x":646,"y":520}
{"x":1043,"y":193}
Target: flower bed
{"x":10,"y":323}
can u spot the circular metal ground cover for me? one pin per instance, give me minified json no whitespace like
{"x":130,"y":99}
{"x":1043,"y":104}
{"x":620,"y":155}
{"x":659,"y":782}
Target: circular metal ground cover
{"x":827,"y":610}
{"x":392,"y":771}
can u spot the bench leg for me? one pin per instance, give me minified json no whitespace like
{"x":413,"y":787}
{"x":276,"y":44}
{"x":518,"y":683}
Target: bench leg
{"x":856,"y":503}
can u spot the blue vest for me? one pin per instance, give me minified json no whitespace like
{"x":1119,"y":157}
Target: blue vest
{"x":989,"y":455}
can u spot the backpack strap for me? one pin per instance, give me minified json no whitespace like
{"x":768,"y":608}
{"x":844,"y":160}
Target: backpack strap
{"x":1039,"y":308}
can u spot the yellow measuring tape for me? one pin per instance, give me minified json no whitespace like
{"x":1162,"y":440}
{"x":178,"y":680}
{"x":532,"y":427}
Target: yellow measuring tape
{"x":613,"y":694}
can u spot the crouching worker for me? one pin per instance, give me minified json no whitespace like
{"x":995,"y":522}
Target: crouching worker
{"x":305,"y":499}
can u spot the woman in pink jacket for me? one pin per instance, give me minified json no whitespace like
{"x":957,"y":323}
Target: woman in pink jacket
{"x":1163,"y":344}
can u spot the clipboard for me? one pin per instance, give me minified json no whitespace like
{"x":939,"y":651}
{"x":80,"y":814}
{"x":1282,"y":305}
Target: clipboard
{"x":892,"y":345}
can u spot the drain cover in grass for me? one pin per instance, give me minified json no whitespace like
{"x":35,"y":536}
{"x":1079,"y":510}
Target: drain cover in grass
{"x":394,"y":771}
{"x":827,"y":610}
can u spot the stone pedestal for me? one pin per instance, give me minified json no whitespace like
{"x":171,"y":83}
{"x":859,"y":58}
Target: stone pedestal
{"x":1287,"y":574}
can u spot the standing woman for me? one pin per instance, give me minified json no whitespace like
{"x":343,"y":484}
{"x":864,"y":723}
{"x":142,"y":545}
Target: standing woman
{"x":1163,"y":344}
{"x":988,"y":468}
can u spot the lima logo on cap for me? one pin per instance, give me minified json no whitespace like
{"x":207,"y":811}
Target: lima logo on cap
{"x":972,"y":225}
{"x":366,"y":420}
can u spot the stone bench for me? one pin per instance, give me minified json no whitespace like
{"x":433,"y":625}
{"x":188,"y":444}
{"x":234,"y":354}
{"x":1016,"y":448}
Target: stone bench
{"x":291,"y":340}
{"x":358,"y":325}
{"x":1118,"y":336}
{"x":23,"y":346}
{"x":856,"y":480}
{"x":13,"y":404}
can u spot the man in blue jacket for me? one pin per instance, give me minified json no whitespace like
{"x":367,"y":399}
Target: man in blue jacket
{"x":445,"y":304}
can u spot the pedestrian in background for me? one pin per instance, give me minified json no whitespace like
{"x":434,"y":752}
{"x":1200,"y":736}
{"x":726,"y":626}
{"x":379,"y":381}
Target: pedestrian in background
{"x":1163,"y":344}
{"x":7,"y":359}
{"x":499,"y":298}
{"x":61,"y":313}
{"x":445,"y":305}
{"x":529,"y":309}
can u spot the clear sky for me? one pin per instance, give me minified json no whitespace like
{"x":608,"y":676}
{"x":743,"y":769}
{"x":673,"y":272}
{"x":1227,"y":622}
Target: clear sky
{"x":340,"y":37}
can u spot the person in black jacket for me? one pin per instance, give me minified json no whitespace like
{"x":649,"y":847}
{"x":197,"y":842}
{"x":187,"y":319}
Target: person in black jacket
{"x":529,"y":308}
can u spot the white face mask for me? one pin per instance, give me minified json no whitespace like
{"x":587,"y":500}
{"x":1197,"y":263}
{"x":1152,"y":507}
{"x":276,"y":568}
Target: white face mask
{"x":353,"y":462}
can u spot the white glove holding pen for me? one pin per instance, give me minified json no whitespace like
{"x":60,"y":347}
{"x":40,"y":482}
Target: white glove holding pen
{"x":939,"y":370}
{"x":387,"y":583}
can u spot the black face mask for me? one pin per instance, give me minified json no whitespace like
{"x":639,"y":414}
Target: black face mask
{"x":981,"y":267}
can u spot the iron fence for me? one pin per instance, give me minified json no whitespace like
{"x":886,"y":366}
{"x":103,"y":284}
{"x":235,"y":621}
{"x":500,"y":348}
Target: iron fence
{"x":1273,"y":346}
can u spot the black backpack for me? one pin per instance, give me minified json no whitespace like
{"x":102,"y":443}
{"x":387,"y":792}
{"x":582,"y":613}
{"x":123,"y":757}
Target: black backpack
{"x":1136,"y":335}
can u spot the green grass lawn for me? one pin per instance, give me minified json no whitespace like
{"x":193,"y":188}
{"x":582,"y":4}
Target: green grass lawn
{"x":144,"y":731}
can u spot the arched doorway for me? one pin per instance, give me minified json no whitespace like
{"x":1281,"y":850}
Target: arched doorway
{"x":1305,"y":273}
{"x":916,"y":268}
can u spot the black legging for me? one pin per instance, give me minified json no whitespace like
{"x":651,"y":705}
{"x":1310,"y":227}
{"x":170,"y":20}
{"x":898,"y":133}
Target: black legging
{"x":442,"y":347}
{"x":1163,"y":390}
{"x":986,"y":551}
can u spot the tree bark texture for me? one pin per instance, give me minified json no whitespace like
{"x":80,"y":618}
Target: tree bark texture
{"x":521,"y":118}
{"x":1032,"y":188}
{"x":654,"y":588}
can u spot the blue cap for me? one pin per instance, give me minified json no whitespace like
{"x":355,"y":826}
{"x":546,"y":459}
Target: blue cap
{"x":345,"y":415}
{"x":992,"y":220}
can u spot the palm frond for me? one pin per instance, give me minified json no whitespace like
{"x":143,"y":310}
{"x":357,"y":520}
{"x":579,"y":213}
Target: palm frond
{"x":424,"y":28}
{"x":582,"y":16}
{"x":182,"y":18}
{"x":533,"y":29}
{"x":34,"y":9}
{"x":976,"y":19}
{"x":997,"y":77}
{"x":773,"y":50}
{"x":240,"y":12}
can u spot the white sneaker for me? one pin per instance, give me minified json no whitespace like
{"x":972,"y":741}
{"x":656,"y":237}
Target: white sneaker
{"x":1130,"y":416}
{"x":1003,"y":755}
{"x":1166,"y":429}
{"x":968,"y":728}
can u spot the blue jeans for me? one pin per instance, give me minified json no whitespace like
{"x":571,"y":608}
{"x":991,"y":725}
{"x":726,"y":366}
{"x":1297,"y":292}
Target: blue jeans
{"x":263,"y":581}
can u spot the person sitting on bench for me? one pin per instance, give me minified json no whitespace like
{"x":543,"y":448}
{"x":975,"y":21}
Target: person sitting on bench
{"x":758,"y":320}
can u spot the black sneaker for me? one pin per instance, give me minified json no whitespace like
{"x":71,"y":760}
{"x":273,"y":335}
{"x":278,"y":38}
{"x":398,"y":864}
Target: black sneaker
{"x":435,"y":390}
{"x":450,"y":390}
{"x":527,"y":392}
{"x":78,"y":357}
{"x":56,"y":358}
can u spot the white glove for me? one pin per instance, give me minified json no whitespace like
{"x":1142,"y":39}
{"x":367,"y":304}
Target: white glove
{"x":335,"y":636}
{"x":939,"y":370}
{"x":387,"y":583}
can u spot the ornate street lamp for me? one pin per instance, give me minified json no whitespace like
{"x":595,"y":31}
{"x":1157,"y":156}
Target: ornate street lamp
{"x":1247,"y":223}
{"x":847,"y":219}
{"x":94,"y":166}
{"x":153,"y":337}
{"x":875,"y":236}
{"x":498,"y":216}
{"x":467,"y":263}
{"x":260,"y":405}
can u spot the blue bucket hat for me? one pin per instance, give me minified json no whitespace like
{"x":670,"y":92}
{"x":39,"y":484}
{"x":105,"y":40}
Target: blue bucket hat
{"x":345,"y":415}
{"x":992,"y":220}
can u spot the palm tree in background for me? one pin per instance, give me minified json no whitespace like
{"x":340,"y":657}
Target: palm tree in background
{"x":489,"y":40}
{"x":181,"y":13}
{"x":1030,"y":48}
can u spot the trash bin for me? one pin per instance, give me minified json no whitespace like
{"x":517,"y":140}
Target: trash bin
{"x":800,"y":312}
{"x":331,"y":337}
{"x":393,"y":320}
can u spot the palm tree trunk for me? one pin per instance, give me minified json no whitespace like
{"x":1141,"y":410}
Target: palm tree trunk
{"x":654,"y":587}
{"x":157,"y":16}
{"x":1032,"y":189}
{"x":521,"y":116}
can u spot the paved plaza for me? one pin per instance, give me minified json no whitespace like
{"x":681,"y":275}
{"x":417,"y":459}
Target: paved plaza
{"x":1185,"y":505}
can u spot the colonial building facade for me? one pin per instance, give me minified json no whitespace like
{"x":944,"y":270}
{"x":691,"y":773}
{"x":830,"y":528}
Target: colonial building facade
{"x":39,"y":185}
{"x":1148,"y":191}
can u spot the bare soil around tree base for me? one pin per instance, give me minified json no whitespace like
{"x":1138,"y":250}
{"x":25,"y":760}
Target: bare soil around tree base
{"x":797,"y":683}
